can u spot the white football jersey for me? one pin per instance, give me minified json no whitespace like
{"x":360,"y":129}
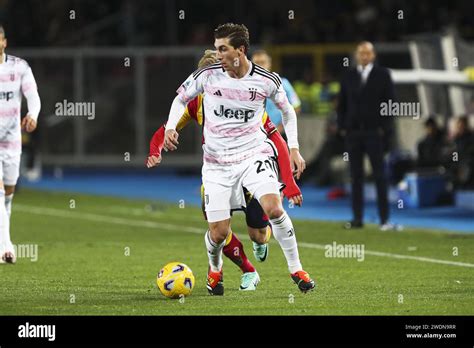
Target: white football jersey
{"x":232,"y":111}
{"x":16,"y":79}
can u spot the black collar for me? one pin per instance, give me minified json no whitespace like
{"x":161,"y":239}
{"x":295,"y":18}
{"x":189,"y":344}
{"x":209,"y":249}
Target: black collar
{"x":253,"y":68}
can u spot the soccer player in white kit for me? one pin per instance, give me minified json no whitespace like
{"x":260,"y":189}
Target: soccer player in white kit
{"x":16,"y":79}
{"x":236,"y":150}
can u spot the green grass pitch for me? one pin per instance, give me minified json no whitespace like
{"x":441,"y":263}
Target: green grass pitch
{"x":100,"y":256}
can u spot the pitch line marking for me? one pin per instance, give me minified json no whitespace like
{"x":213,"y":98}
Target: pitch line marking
{"x":174,"y":227}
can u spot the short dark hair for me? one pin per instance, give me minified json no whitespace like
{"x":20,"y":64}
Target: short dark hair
{"x":238,"y":34}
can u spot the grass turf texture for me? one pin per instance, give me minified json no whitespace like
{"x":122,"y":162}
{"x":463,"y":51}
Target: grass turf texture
{"x":82,"y":257}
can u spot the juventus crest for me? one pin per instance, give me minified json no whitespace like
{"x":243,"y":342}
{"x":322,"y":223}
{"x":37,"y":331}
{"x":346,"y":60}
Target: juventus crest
{"x":253,"y":93}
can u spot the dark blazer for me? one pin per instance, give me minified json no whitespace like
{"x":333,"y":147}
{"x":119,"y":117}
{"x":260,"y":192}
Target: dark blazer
{"x":359,"y":105}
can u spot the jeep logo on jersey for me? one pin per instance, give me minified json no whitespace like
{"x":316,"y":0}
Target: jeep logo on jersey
{"x":6,"y":95}
{"x":238,"y":114}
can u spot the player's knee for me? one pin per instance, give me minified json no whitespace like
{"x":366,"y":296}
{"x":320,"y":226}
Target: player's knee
{"x":274,"y":209}
{"x":275,"y":212}
{"x":271,"y":205}
{"x":261,"y":236}
{"x":218,"y":232}
{"x":258,"y":235}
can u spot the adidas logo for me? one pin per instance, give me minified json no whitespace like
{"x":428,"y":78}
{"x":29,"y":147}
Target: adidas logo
{"x":218,"y":93}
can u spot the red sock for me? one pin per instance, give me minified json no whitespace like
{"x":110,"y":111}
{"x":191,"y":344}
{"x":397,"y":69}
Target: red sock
{"x":235,"y":252}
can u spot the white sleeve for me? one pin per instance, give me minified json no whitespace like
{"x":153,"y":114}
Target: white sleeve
{"x":192,"y":86}
{"x":278,"y":95}
{"x":30,"y":91}
{"x":177,"y":110}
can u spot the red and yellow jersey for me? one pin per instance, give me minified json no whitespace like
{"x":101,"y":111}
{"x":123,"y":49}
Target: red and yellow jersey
{"x":193,"y":111}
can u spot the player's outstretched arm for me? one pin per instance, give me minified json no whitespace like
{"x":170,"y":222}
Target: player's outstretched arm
{"x":190,"y":89}
{"x":156,"y":146}
{"x":171,"y":135}
{"x":158,"y":139}
{"x":291,"y":130}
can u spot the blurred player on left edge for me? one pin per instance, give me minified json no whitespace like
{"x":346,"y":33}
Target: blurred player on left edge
{"x":16,"y":78}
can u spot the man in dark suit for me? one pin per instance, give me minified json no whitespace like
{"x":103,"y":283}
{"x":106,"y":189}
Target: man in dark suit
{"x":364,"y":89}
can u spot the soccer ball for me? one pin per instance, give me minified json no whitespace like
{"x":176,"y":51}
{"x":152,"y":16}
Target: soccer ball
{"x":175,"y":280}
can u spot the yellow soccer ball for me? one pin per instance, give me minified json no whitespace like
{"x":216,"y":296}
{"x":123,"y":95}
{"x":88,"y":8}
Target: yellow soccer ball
{"x":175,"y":280}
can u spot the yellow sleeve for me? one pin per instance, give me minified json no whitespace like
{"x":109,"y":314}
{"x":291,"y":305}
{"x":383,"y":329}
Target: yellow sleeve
{"x":184,"y":120}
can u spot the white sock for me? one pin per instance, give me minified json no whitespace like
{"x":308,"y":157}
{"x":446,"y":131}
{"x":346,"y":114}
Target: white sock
{"x":214,"y":252}
{"x":285,"y":235}
{"x":5,"y":242}
{"x":8,"y":204}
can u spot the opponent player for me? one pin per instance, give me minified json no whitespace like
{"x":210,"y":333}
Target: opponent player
{"x":262,"y":58}
{"x":236,"y":149}
{"x":257,"y":222}
{"x":16,"y":78}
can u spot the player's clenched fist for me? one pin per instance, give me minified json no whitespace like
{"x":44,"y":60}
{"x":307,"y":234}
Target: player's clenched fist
{"x":153,"y":161}
{"x":28,"y":123}
{"x":171,"y":140}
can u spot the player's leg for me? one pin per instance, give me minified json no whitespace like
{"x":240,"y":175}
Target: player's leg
{"x":233,"y":248}
{"x":282,"y":229}
{"x":260,"y":238}
{"x":285,"y":235}
{"x":259,"y":229}
{"x":9,"y":191}
{"x":9,"y":172}
{"x":4,"y":225}
{"x":261,"y":180}
{"x":217,"y":205}
{"x":219,"y":228}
